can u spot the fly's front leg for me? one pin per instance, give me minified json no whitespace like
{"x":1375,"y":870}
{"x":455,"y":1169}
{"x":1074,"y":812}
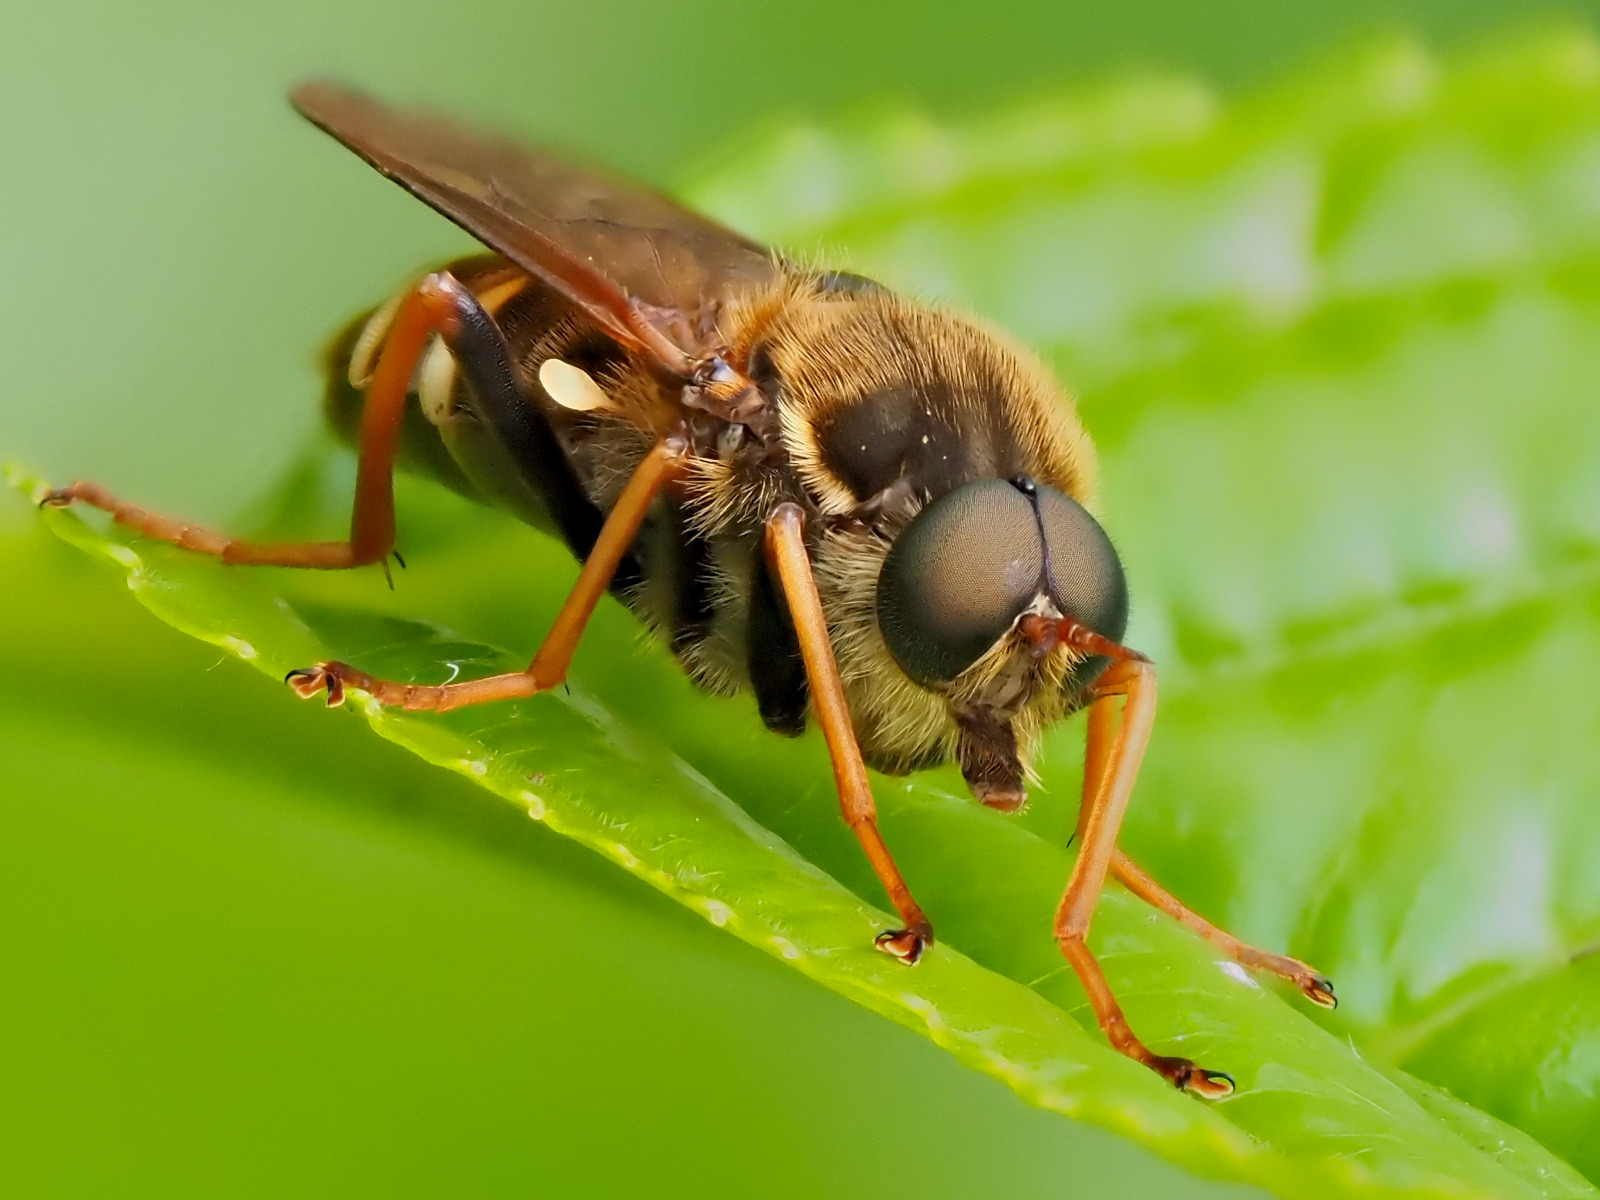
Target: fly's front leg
{"x":436,"y":304}
{"x":786,"y":550}
{"x":1114,"y":753}
{"x":1318,"y":988}
{"x":549,"y":666}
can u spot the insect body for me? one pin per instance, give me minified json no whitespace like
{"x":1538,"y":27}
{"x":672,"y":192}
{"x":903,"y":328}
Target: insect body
{"x":863,"y":511}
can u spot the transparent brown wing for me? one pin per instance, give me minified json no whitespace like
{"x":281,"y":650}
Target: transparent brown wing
{"x":646,"y":269}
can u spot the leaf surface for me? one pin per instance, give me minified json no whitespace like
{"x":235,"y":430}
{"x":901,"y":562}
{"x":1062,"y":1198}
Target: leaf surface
{"x":1338,"y":347}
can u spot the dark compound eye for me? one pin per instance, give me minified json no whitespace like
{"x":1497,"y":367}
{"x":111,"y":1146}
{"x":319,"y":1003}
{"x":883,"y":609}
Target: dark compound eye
{"x":1086,"y":579}
{"x":969,"y":564}
{"x":957,"y":578}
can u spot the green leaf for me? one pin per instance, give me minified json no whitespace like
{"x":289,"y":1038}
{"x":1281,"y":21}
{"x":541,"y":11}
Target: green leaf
{"x":1338,"y":347}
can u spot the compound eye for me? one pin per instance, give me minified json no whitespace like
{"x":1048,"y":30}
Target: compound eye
{"x":957,"y":579}
{"x":1086,"y":579}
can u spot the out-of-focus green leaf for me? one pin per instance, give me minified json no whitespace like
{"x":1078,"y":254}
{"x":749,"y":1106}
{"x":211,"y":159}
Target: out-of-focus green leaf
{"x":1339,"y":350}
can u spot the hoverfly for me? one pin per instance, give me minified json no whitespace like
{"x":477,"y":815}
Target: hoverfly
{"x":858,"y":508}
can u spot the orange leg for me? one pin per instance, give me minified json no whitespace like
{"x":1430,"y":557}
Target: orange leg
{"x":786,"y":549}
{"x":433,"y":306}
{"x":549,"y":666}
{"x":1319,"y":988}
{"x":1112,"y":762}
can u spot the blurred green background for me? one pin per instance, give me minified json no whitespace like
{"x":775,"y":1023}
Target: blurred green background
{"x":354,"y":975}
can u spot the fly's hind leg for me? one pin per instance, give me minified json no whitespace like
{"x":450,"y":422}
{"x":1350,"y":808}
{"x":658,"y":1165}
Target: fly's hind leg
{"x":439,"y":303}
